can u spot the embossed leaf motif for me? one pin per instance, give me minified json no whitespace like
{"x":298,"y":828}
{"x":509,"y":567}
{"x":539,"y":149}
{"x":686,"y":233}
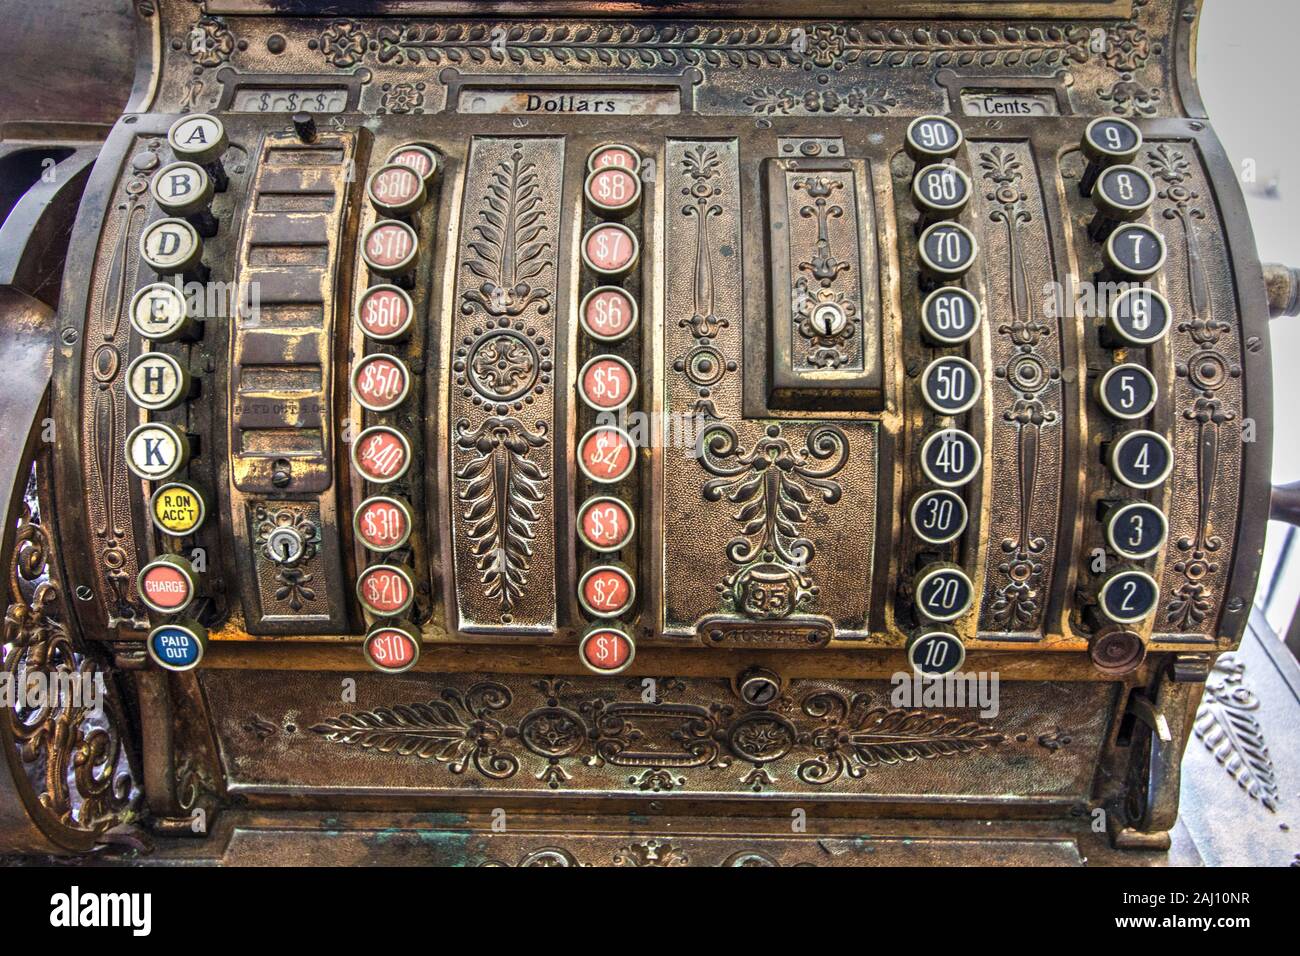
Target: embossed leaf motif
{"x":510,"y":243}
{"x":457,"y":730}
{"x":856,"y":737}
{"x":896,"y":736}
{"x":1228,"y":727}
{"x":501,"y":493}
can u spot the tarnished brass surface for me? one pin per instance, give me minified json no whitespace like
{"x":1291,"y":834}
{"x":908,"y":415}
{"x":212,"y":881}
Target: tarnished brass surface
{"x":775,"y":407}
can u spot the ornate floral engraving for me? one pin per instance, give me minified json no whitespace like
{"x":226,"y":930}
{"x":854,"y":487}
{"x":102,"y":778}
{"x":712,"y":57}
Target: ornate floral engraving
{"x":503,"y":365}
{"x":857,"y":101}
{"x":510,"y":243}
{"x":78,"y":777}
{"x":104,"y":418}
{"x":343,"y":43}
{"x":293,"y":581}
{"x":827,"y":735}
{"x":703,"y":366}
{"x":502,"y":490}
{"x":651,"y":853}
{"x":210,"y":42}
{"x":1206,"y":371}
{"x":817,"y":46}
{"x":506,"y":364}
{"x":774,"y":486}
{"x":1227,"y":725}
{"x":855,"y":736}
{"x":402,"y":98}
{"x":1016,"y":602}
{"x":458,"y":730}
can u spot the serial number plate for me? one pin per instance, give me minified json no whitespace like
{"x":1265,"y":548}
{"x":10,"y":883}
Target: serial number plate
{"x":290,"y":101}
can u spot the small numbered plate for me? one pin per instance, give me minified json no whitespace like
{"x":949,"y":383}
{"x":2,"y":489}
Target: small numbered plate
{"x":1141,"y":459}
{"x":935,"y":653}
{"x":1127,"y":391}
{"x":1137,"y":530}
{"x":178,"y":509}
{"x":391,"y":648}
{"x":605,"y":523}
{"x":166,"y":584}
{"x":385,"y":589}
{"x":948,"y":249}
{"x":178,"y":646}
{"x":614,"y":154}
{"x":380,"y":382}
{"x":944,"y":592}
{"x":606,"y":454}
{"x":950,"y":385}
{"x":384,"y":313}
{"x":382,"y":524}
{"x":951,"y":458}
{"x":156,"y":381}
{"x":155,"y":451}
{"x":1128,"y":596}
{"x":606,"y":590}
{"x":381,"y":454}
{"x":390,"y":247}
{"x":606,"y":383}
{"x":949,"y":316}
{"x":606,"y":649}
{"x":1139,"y":316}
{"x":608,"y":313}
{"x":938,"y":517}
{"x":610,"y":249}
{"x":612,"y":189}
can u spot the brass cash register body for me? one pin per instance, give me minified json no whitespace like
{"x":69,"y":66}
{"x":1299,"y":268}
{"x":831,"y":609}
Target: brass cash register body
{"x":641,"y":470}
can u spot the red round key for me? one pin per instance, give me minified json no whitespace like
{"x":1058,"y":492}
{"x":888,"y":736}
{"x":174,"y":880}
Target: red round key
{"x":606,"y":650}
{"x":390,"y":247}
{"x":612,"y":189}
{"x":605,"y":524}
{"x":384,"y":312}
{"x":385,"y":589}
{"x":623,"y":157}
{"x":165,"y":587}
{"x":396,"y":189}
{"x":382,"y":524}
{"x":610,"y":248}
{"x":381,"y":454}
{"x":605,"y":454}
{"x":607,"y":383}
{"x":380,"y":382}
{"x":608,"y":313}
{"x":391,"y":649}
{"x":606,"y":591}
{"x":417,"y":158}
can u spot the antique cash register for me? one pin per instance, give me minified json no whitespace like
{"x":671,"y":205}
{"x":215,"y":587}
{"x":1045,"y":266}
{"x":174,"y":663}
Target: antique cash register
{"x":729,"y":432}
